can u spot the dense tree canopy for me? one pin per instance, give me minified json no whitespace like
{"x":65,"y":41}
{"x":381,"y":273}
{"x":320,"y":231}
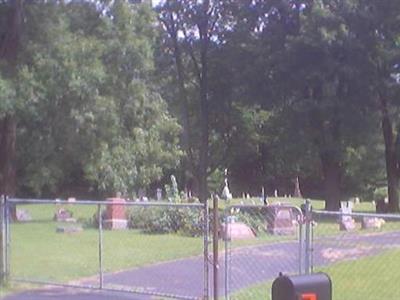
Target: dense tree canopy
{"x":112,"y":96}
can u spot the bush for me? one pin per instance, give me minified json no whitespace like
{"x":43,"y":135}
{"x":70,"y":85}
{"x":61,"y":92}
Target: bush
{"x":252,"y":217}
{"x":185,"y":221}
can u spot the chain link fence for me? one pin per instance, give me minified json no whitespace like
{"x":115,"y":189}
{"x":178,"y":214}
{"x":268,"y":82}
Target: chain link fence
{"x":260,"y":242}
{"x":360,"y":252}
{"x":161,"y":249}
{"x":152,"y":248}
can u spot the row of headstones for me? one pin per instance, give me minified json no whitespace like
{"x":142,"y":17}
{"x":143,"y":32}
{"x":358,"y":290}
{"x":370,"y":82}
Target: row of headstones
{"x":347,"y":223}
{"x":114,"y":217}
{"x":281,"y":220}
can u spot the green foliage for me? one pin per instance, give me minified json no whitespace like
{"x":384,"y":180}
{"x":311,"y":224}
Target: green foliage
{"x":255,"y":218}
{"x":185,"y":221}
{"x":289,"y":89}
{"x":87,"y":108}
{"x":380,"y":193}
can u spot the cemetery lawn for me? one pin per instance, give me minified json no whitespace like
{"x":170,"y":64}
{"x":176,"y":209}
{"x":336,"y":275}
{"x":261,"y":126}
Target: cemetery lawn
{"x":373,"y":277}
{"x":38,"y":252}
{"x":317,"y":204}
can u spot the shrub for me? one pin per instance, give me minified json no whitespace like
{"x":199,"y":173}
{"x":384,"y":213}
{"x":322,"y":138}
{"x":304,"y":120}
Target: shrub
{"x":255,"y":221}
{"x":184,"y":221}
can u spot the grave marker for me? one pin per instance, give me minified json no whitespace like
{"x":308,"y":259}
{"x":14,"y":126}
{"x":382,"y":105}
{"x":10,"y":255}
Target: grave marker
{"x":115,"y":217}
{"x":280,"y":220}
{"x":346,"y":222}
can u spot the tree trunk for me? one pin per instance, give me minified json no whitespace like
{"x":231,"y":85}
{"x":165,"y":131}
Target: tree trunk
{"x":204,"y":114}
{"x":8,"y":127}
{"x":9,"y":46}
{"x":392,"y":165}
{"x":188,"y":163}
{"x":332,"y":176}
{"x":8,"y":130}
{"x":204,"y":142}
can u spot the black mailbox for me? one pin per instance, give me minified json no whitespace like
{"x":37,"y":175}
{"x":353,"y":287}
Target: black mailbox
{"x":317,"y":286}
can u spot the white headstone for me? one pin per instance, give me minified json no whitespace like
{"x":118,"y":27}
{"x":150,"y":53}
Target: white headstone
{"x":159,"y":194}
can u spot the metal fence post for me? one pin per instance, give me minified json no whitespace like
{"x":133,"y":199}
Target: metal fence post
{"x":308,"y":237}
{"x":215,"y":246}
{"x":227,"y":251}
{"x":3,"y":241}
{"x":100,"y":218}
{"x":206,"y":243}
{"x":301,"y":241}
{"x":8,"y":235}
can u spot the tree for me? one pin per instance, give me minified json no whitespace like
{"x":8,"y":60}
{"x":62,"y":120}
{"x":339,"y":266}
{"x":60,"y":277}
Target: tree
{"x":295,"y":60}
{"x":81,"y":93}
{"x":190,"y":26}
{"x":377,"y":28}
{"x":12,"y":20}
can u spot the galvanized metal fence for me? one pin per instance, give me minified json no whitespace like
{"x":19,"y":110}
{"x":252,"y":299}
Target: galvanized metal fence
{"x":165,"y":250}
{"x":260,"y":242}
{"x":360,"y":252}
{"x":152,"y":248}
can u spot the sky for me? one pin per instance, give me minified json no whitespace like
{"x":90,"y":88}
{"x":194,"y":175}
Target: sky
{"x":155,"y":2}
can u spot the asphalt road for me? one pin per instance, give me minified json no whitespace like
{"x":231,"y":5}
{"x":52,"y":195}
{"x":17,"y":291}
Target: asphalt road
{"x":248,"y":266}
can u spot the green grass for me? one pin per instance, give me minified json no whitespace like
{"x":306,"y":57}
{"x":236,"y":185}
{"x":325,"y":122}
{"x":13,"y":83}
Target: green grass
{"x":316,"y":204}
{"x":37,"y":251}
{"x":62,"y":257}
{"x":369,"y":278}
{"x":373,"y":277}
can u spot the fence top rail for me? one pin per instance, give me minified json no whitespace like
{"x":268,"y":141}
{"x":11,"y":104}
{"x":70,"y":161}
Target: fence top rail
{"x":356,"y":214}
{"x":262,"y":206}
{"x":102,"y":202}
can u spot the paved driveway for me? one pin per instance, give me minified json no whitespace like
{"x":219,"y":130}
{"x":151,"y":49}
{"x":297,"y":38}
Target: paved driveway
{"x":248,"y":266}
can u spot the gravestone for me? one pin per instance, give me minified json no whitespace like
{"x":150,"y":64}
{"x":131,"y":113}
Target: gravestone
{"x":226,"y":194}
{"x":115,"y":216}
{"x":236,"y":231}
{"x":280,"y":220}
{"x":264,"y":196}
{"x":23,"y":215}
{"x":159,"y":194}
{"x":371,"y":223}
{"x":297,"y":191}
{"x":63,"y":215}
{"x":69,"y":229}
{"x":346,"y":222}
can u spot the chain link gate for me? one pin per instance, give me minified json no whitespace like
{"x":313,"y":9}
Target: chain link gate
{"x":163,"y":251}
{"x":260,"y":242}
{"x":363,"y":260}
{"x":359,"y":251}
